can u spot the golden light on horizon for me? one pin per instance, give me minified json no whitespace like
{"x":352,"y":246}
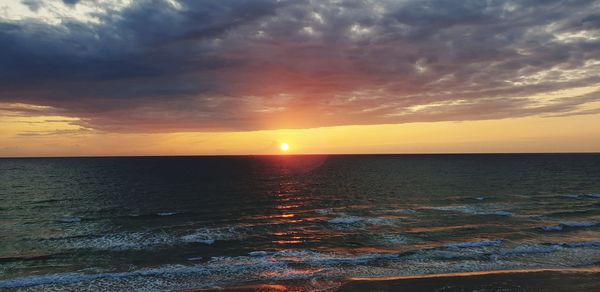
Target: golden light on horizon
{"x":284,"y":147}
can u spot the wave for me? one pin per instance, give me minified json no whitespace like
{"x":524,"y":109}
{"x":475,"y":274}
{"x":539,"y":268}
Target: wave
{"x":394,"y":239}
{"x":570,"y":196}
{"x":209,"y":236}
{"x":570,"y":225}
{"x":474,"y":244}
{"x":166,"y":213}
{"x":70,"y":220}
{"x":406,"y":211}
{"x":501,"y":213}
{"x":146,"y":240}
{"x":315,"y":258}
{"x":350,"y":220}
{"x":547,"y":248}
{"x":71,"y":278}
{"x":195,"y":259}
{"x":263,"y":265}
{"x":580,"y":196}
{"x":306,"y":264}
{"x":484,"y":210}
{"x":529,"y":249}
{"x":582,"y":244}
{"x":491,"y":250}
{"x":572,"y":213}
{"x":26,"y":257}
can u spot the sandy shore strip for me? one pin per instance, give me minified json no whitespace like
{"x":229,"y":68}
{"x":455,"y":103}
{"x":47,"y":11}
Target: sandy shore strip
{"x":503,"y":280}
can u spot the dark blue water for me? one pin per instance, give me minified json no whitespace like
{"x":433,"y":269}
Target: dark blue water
{"x":197,"y":222}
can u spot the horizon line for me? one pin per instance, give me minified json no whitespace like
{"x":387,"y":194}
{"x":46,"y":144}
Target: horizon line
{"x":305,"y":154}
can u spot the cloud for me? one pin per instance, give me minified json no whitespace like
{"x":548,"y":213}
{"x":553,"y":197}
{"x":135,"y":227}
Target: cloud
{"x":146,"y":66}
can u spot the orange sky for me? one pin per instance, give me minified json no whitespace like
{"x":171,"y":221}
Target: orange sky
{"x":30,"y":136}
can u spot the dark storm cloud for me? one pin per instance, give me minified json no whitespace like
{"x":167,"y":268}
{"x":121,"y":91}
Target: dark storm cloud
{"x":242,"y":65}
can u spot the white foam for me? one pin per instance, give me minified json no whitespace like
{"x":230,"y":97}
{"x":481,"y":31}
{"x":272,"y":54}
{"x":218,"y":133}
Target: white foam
{"x":166,"y":213}
{"x":195,"y":259}
{"x":116,"y":241}
{"x":259,"y":253}
{"x":266,"y":266}
{"x":146,"y":240}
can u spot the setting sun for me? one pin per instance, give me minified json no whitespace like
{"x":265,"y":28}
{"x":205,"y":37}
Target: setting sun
{"x":284,"y":147}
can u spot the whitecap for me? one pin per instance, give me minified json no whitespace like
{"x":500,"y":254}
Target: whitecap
{"x":195,"y":259}
{"x":166,"y":213}
{"x":259,"y":253}
{"x":573,"y":225}
{"x":146,"y":240}
{"x":210,"y":235}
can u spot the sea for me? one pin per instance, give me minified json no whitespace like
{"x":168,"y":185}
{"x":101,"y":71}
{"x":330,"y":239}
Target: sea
{"x":308,"y":221}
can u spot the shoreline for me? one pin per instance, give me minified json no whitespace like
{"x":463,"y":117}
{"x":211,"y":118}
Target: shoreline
{"x":575,"y":279}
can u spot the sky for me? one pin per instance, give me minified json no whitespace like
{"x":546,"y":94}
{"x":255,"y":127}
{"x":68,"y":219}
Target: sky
{"x":196,"y":77}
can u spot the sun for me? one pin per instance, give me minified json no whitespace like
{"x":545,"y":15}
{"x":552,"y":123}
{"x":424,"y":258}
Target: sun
{"x":284,"y":147}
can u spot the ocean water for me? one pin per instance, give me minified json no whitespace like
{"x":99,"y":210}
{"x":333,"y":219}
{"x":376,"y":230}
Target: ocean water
{"x":315,"y":221}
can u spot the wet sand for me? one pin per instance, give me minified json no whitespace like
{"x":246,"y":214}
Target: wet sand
{"x":526,"y":280}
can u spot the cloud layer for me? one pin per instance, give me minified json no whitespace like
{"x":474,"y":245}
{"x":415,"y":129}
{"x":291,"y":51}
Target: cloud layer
{"x":151,"y":65}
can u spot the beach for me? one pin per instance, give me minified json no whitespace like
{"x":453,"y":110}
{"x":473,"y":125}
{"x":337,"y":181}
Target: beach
{"x":510,"y":280}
